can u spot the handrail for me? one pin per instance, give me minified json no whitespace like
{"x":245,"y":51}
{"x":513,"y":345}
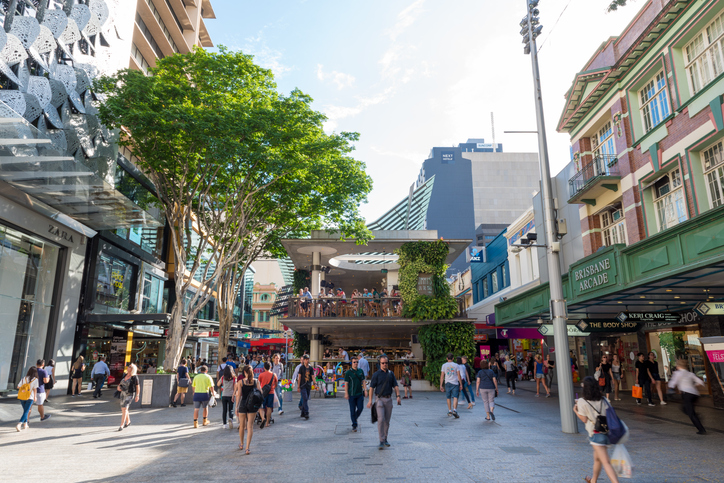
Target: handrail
{"x":601,"y":165}
{"x":351,"y":307}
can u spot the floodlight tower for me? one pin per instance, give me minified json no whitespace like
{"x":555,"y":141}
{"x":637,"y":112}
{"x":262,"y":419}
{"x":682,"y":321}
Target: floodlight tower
{"x":531,"y":29}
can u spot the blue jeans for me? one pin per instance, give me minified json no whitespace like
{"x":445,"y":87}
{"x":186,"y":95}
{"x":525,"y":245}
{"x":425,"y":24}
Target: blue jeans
{"x":356,"y":405}
{"x":26,"y":410}
{"x":305,"y":401}
{"x":278,"y":390}
{"x":468,"y":389}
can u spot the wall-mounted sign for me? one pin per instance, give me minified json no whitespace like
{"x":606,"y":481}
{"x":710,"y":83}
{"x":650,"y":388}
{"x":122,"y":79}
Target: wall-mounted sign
{"x":54,"y":230}
{"x":481,"y":337}
{"x":477,"y":254}
{"x":594,"y":275}
{"x":710,"y":308}
{"x":147,"y":392}
{"x":484,"y":351}
{"x":484,"y":145}
{"x":448,"y":157}
{"x":589,"y":325}
{"x":649,"y":317}
{"x":424,"y":284}
{"x":243,"y":344}
{"x":522,"y":232}
{"x":571,"y":331}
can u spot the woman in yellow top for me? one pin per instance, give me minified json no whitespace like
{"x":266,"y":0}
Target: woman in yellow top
{"x":202,"y":385}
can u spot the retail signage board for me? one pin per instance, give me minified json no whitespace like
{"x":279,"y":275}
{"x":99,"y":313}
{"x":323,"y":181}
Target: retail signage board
{"x":646,"y":317}
{"x":710,"y":308}
{"x":594,"y":275}
{"x":591,"y":325}
{"x":571,"y":330}
{"x":476,"y":254}
{"x":480,"y":337}
{"x":425,"y":284}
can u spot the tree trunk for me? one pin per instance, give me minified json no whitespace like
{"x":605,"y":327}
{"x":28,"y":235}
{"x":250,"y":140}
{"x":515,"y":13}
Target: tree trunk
{"x":176,"y":338}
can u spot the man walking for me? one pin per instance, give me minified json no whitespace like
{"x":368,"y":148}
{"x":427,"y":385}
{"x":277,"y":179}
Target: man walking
{"x":98,"y":374}
{"x":450,"y":375}
{"x":40,"y":393}
{"x":354,"y":391}
{"x":268,"y":382}
{"x":363,"y":364}
{"x":305,"y":378}
{"x":382,"y":383}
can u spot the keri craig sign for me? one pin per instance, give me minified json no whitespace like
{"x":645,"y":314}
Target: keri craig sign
{"x":594,"y":274}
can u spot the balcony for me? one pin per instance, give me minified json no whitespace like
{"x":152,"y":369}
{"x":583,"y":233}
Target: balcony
{"x":594,"y":179}
{"x":359,"y":308}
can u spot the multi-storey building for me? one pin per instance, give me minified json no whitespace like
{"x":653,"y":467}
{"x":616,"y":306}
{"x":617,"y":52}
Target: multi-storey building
{"x":646,"y":124}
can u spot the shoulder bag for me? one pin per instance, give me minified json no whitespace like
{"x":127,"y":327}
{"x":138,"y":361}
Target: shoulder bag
{"x":373,"y":411}
{"x":601,"y":423}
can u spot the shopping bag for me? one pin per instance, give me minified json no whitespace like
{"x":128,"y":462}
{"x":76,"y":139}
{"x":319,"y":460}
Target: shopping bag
{"x":621,"y":461}
{"x":90,"y":386}
{"x":373,"y":412}
{"x":637,"y":391}
{"x":276,"y":400}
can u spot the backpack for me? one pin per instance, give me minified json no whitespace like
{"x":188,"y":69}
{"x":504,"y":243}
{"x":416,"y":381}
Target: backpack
{"x":616,"y":428}
{"x":51,"y":381}
{"x":24,"y":390}
{"x":254,"y":400}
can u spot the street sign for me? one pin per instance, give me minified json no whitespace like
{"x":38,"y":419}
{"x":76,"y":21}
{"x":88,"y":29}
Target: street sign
{"x":589,"y":325}
{"x":571,"y":330}
{"x":644,"y":317}
{"x":710,"y":308}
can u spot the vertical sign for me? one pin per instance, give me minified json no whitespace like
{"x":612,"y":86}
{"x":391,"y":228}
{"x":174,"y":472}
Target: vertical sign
{"x":424,"y":284}
{"x":147,"y":392}
{"x":484,"y":351}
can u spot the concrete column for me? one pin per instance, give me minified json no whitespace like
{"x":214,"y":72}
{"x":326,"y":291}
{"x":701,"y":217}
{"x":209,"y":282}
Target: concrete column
{"x":314,"y":345}
{"x":316,"y":271}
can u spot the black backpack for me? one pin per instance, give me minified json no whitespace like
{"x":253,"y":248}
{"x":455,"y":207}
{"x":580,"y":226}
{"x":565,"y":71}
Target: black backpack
{"x":51,"y":381}
{"x":254,"y":400}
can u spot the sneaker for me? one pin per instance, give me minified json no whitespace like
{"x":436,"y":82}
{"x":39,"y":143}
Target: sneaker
{"x":381,"y":446}
{"x":701,"y":432}
{"x":492,"y":416}
{"x":306,"y":416}
{"x":663,"y":403}
{"x":47,"y":416}
{"x":638,"y":402}
{"x":354,"y":429}
{"x":196,"y":424}
{"x":455,"y":413}
{"x":173,"y":404}
{"x":281,"y":411}
{"x":19,"y":427}
{"x":387,"y":444}
{"x":537,"y":395}
{"x":652,"y":404}
{"x":231,"y":424}
{"x":263,"y":423}
{"x":226,"y":426}
{"x":449,"y":413}
{"x":183,"y":406}
{"x":548,"y":395}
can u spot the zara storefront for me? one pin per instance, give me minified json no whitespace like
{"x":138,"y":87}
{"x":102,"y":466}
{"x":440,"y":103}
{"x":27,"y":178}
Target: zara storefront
{"x":42,"y":254}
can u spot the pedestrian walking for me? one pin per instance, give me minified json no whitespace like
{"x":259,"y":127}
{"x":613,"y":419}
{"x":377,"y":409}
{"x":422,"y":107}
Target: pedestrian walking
{"x":469,"y":378}
{"x":464,"y":385}
{"x":228,"y":382}
{"x":43,"y":379}
{"x":99,"y":373}
{"x":268,"y":382}
{"x":130,"y":389}
{"x":278,"y":370}
{"x":450,"y":377}
{"x":27,"y":392}
{"x":304,"y":382}
{"x":183,"y":381}
{"x":295,"y":383}
{"x":202,"y":385}
{"x":540,"y":376}
{"x":50,"y":371}
{"x":511,"y":373}
{"x":354,"y":391}
{"x":687,"y":384}
{"x":588,"y":409}
{"x":655,"y":376}
{"x":644,"y":377}
{"x":617,"y":373}
{"x":382,"y":384}
{"x":244,"y":387}
{"x":605,"y":376}
{"x":77,"y":376}
{"x":407,"y":379}
{"x":486,"y":386}
{"x":550,"y":371}
{"x":363,"y":364}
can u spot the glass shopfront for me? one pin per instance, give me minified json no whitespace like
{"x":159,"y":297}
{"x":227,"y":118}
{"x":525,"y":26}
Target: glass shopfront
{"x":115,"y":280}
{"x":27,"y":281}
{"x":120,"y":347}
{"x":675,"y":343}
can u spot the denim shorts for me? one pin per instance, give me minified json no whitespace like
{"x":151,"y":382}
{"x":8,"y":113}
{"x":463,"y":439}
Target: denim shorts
{"x":539,"y":375}
{"x":452,"y":391}
{"x":599,"y":439}
{"x":269,"y":401}
{"x":617,"y":376}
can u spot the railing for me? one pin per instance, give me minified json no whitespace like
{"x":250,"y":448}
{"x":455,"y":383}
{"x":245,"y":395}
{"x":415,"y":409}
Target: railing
{"x":601,"y":165}
{"x":354,"y":307}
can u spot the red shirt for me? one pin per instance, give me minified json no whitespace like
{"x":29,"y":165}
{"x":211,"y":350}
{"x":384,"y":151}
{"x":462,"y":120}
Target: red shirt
{"x":267,"y":376}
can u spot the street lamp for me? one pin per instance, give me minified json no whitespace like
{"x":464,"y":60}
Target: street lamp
{"x":531,"y":29}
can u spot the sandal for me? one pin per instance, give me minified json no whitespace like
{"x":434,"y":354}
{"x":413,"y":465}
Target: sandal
{"x":587,"y":478}
{"x":241,"y":447}
{"x":248,"y":452}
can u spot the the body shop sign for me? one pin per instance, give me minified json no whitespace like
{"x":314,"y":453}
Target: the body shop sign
{"x":594,"y":274}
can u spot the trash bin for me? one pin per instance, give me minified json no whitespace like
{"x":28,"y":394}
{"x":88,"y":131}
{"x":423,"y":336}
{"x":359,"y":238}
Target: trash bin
{"x":287,"y":396}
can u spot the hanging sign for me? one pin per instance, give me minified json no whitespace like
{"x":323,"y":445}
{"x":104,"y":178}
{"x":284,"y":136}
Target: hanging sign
{"x":645,"y":317}
{"x":571,"y":331}
{"x":589,"y":325}
{"x":710,"y":308}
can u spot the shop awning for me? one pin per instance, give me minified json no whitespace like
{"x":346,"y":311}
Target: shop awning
{"x":463,"y":293}
{"x":263,"y":342}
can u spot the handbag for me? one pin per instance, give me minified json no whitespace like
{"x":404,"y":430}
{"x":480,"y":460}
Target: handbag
{"x":183,"y":382}
{"x":637,"y":392}
{"x":373,"y":412}
{"x":601,"y":423}
{"x":117,"y":394}
{"x":601,"y":381}
{"x":212,"y":399}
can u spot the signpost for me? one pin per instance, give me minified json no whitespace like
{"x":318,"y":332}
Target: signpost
{"x":710,"y":308}
{"x":645,"y":317}
{"x":589,"y":325}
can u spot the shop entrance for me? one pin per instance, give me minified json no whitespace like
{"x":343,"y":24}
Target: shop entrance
{"x":675,"y":343}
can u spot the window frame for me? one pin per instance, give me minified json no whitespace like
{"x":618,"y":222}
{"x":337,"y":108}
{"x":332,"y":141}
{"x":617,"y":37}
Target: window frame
{"x":716,"y":169}
{"x":674,"y":194}
{"x":658,"y":100}
{"x":612,"y":229}
{"x":707,"y":60}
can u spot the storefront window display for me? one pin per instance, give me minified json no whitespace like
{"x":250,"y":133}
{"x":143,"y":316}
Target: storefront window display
{"x":27,"y":280}
{"x":114,"y":285}
{"x":678,"y":343}
{"x":152,"y":296}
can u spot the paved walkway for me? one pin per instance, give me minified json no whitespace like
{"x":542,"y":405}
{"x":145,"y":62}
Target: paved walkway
{"x":80,"y":444}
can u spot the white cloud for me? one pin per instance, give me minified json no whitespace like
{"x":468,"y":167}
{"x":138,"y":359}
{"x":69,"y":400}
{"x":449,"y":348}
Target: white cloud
{"x":265,"y":56}
{"x":341,"y":79}
{"x":406,"y":18}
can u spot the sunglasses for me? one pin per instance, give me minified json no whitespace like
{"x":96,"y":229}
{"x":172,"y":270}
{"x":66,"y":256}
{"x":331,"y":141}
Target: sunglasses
{"x":383,"y":363}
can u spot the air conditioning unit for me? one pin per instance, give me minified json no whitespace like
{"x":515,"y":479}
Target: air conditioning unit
{"x":616,"y":215}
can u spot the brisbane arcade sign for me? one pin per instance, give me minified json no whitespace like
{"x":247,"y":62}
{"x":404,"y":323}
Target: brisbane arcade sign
{"x":594,"y":275}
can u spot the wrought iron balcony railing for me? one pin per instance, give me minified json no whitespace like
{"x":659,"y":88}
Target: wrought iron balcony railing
{"x":601,"y":165}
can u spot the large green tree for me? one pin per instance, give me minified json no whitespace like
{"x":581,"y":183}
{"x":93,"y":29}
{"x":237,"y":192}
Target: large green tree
{"x":232,"y":161}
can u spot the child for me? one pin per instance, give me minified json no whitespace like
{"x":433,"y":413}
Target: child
{"x":407,"y":379}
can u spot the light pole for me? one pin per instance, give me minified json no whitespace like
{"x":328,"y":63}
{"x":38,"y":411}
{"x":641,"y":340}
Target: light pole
{"x":531,"y":28}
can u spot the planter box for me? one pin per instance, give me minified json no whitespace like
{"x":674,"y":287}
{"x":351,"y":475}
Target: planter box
{"x":287,"y":396}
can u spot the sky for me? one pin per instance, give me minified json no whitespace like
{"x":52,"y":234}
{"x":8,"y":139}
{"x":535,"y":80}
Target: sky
{"x":409,"y":75}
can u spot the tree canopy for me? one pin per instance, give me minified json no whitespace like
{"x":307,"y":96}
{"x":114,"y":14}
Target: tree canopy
{"x":236,"y":165}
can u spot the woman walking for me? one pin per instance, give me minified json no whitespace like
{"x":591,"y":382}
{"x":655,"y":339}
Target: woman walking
{"x":278,"y":370}
{"x":77,"y":375}
{"x":511,"y":373}
{"x":227,"y":396}
{"x":245,"y":385}
{"x":605,"y":376}
{"x":616,"y":372}
{"x":588,"y":408}
{"x":130,"y":389}
{"x":540,"y":376}
{"x":487,"y":381}
{"x":27,"y":391}
{"x":654,"y":369}
{"x":550,"y":370}
{"x":407,"y":378}
{"x":687,"y":383}
{"x":465,"y":386}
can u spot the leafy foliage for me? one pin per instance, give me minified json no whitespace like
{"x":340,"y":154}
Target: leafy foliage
{"x":615,"y":4}
{"x":425,"y":257}
{"x":301,"y":344}
{"x":301,"y":279}
{"x":439,"y":339}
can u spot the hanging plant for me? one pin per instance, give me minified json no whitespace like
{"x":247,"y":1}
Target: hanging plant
{"x":437,"y":340}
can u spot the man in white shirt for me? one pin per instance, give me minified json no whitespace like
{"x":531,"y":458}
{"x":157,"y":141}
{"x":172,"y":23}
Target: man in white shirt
{"x":295,"y":383}
{"x":99,"y":373}
{"x":343,"y":355}
{"x":364,"y":366}
{"x":450,"y":376}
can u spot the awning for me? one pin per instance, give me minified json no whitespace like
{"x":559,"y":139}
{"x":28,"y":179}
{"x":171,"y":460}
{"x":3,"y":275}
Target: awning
{"x":36,"y":163}
{"x":263,"y":342}
{"x":463,"y":293}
